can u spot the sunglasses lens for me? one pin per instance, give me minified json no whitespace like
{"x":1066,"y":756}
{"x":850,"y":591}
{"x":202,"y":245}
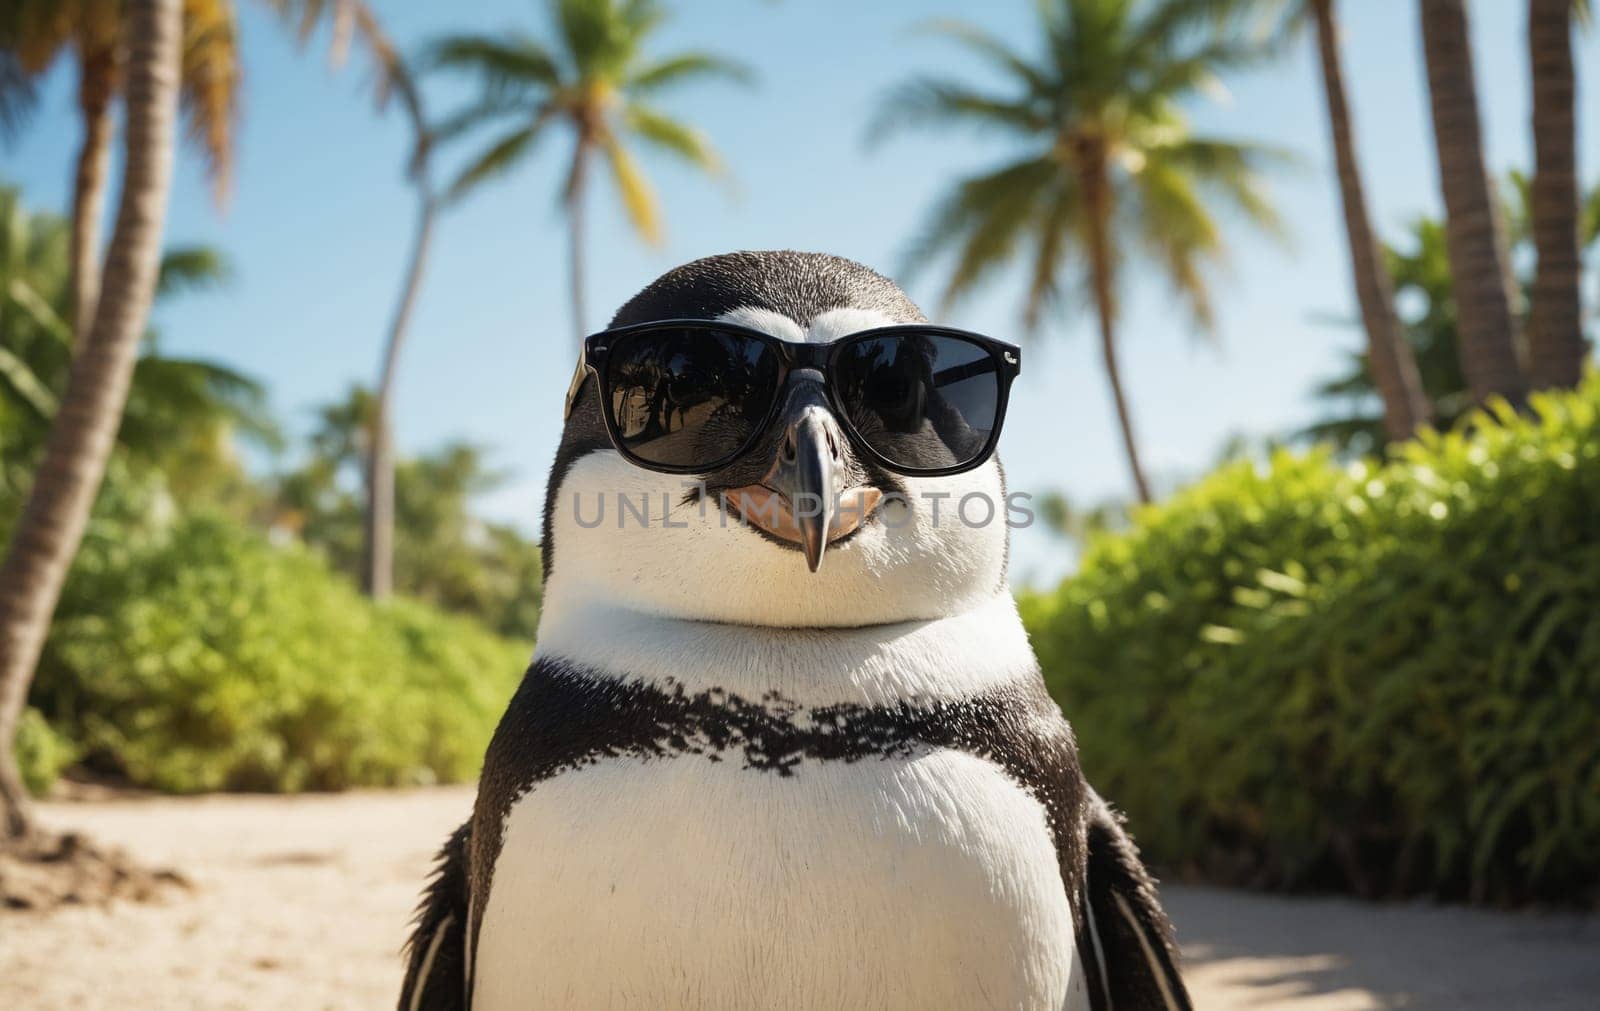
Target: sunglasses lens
{"x":689,"y":397}
{"x":924,"y":402}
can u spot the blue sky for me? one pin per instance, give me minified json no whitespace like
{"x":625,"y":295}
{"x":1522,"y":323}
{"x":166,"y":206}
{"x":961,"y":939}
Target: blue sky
{"x":320,"y":217}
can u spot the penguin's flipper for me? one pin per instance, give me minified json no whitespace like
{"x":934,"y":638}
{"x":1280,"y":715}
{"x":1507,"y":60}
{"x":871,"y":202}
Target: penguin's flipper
{"x":436,"y":952}
{"x":1128,"y":952}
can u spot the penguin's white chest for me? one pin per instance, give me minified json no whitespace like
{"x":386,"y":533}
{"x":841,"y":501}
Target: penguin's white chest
{"x":928,"y":881}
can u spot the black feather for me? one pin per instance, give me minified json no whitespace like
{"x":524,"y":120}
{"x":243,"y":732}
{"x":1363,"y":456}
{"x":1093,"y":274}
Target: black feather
{"x":436,"y":978}
{"x":1129,"y":957}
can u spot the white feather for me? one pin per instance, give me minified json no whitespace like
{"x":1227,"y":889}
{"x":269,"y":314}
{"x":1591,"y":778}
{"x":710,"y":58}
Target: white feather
{"x":693,"y":561}
{"x":428,"y":956}
{"x":768,"y":322}
{"x":824,"y":328}
{"x":929,"y":881}
{"x":881,"y":665}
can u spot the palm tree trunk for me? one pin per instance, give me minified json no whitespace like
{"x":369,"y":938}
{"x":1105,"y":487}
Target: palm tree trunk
{"x":576,"y":179}
{"x":1474,"y":232}
{"x":1394,"y":366}
{"x":96,"y":84}
{"x":1556,"y":348}
{"x":51,"y":525}
{"x":1102,"y":269}
{"x":1108,"y":354}
{"x":380,"y":461}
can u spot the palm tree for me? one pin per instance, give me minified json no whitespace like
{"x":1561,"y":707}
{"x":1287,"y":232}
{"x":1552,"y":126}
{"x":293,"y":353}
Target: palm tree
{"x":40,"y":31}
{"x":1420,"y":268}
{"x":599,"y":83}
{"x":175,"y":405}
{"x":1556,"y":347}
{"x":1109,"y":167}
{"x":450,"y":557}
{"x":47,"y":533}
{"x":36,"y":32}
{"x":354,"y":19}
{"x":378,"y":570}
{"x":33,"y":33}
{"x":1405,"y":406}
{"x":1475,"y":232}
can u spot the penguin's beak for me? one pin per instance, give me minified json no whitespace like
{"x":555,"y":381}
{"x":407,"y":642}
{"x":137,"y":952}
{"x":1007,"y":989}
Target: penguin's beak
{"x":807,"y":475}
{"x":813,"y":492}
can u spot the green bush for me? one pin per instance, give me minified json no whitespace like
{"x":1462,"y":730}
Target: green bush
{"x":41,"y":752}
{"x":1383,"y":677}
{"x":204,"y":657}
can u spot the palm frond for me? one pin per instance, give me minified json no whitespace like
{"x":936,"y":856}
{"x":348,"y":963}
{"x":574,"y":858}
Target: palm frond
{"x":1089,"y":48}
{"x":931,"y":101}
{"x":683,"y":68}
{"x":1178,"y":233}
{"x":602,"y":37}
{"x":495,"y":159}
{"x":1516,"y":199}
{"x":192,"y":268}
{"x":1169,"y":25}
{"x":26,"y":387}
{"x":348,"y":21}
{"x":642,"y":16}
{"x":516,"y":65}
{"x":38,"y":308}
{"x":227,"y":383}
{"x":593,"y":75}
{"x":472,"y":117}
{"x":1198,"y":69}
{"x":1272,"y":24}
{"x":982,"y":219}
{"x":210,"y":92}
{"x":18,"y":97}
{"x":637,"y":197}
{"x":667,"y":134}
{"x":1359,"y":434}
{"x":199,"y":389}
{"x":400,"y":80}
{"x":979,"y":42}
{"x":36,"y":33}
{"x":1104,"y":97}
{"x":1210,"y":156}
{"x":395,"y":75}
{"x":302,"y":16}
{"x":1054,"y":229}
{"x":16,"y":228}
{"x":1230,"y":170}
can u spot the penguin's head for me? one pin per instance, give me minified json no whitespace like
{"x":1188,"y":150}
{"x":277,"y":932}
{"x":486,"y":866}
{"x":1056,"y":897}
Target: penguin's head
{"x":864,"y":546}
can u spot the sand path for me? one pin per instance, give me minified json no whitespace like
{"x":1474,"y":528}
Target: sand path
{"x":302,"y":902}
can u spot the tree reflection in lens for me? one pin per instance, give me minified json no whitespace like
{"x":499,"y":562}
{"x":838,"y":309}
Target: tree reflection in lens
{"x":689,"y":397}
{"x":923,"y":401}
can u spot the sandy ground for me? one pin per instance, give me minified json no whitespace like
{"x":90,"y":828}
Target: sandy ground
{"x":303,"y":903}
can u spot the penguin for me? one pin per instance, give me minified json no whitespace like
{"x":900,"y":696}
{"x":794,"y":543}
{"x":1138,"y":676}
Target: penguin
{"x":734,"y":778}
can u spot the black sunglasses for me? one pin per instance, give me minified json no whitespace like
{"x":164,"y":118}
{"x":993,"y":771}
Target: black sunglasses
{"x":690,"y":396}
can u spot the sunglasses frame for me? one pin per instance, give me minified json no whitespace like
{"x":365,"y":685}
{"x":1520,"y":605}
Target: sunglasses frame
{"x":792,"y":356}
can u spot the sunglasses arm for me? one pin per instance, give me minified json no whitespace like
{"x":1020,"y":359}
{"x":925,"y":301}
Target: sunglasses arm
{"x":578,"y":376}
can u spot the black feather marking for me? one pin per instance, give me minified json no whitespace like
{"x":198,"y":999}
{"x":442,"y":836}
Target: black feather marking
{"x":564,"y":717}
{"x":436,"y":954}
{"x":1134,"y":965}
